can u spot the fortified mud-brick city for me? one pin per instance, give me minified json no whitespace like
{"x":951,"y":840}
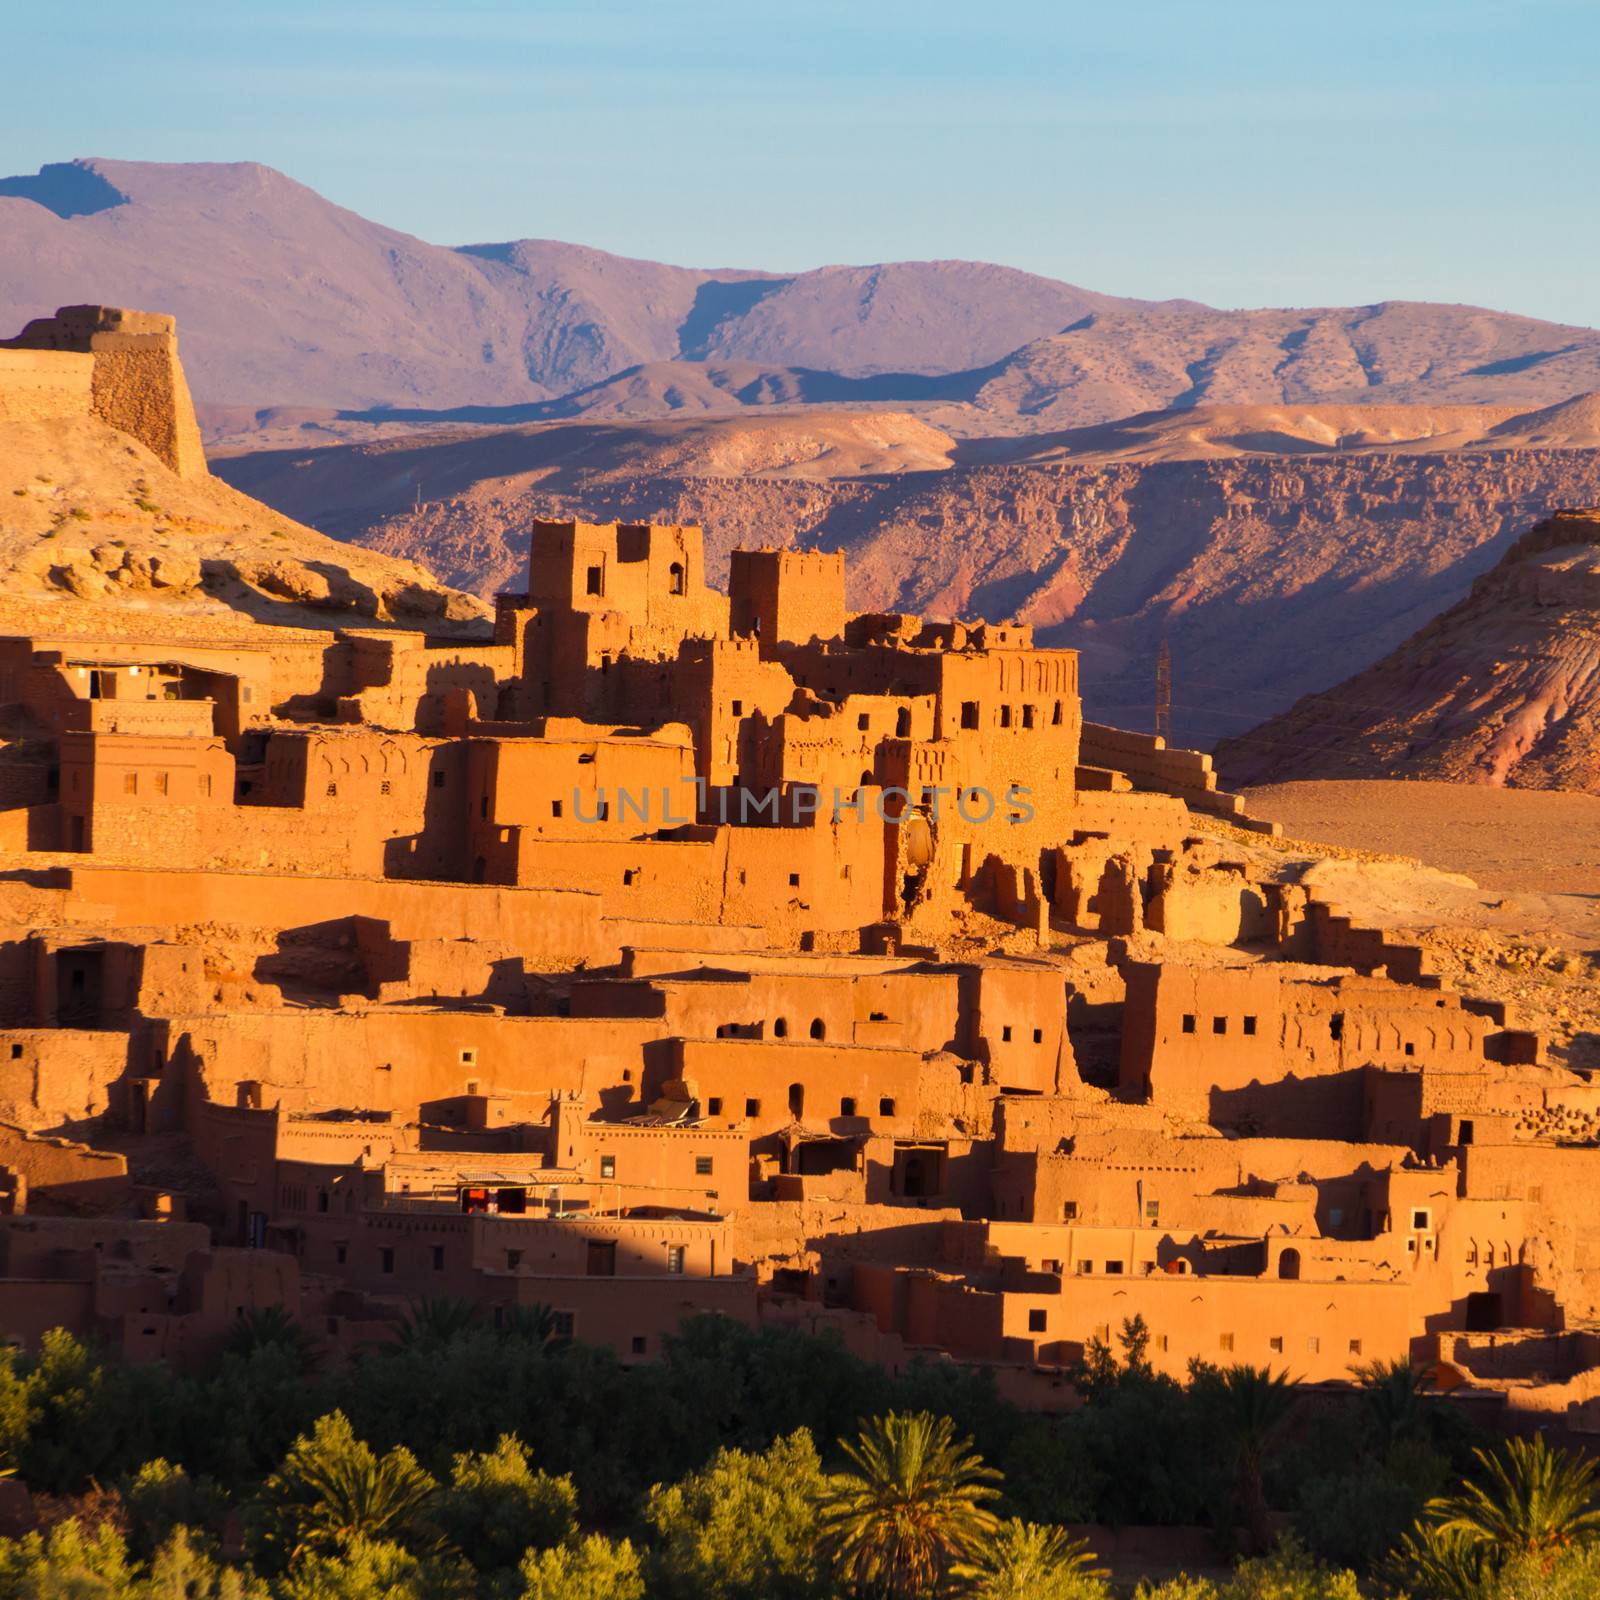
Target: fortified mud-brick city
{"x":675,"y":951}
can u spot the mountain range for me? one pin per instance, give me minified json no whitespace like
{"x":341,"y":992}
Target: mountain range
{"x":286,"y":299}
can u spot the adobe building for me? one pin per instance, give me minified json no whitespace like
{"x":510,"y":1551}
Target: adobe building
{"x":680,"y":951}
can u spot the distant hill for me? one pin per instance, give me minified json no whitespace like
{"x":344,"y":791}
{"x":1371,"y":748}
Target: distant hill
{"x":1501,"y":689}
{"x":287,"y":300}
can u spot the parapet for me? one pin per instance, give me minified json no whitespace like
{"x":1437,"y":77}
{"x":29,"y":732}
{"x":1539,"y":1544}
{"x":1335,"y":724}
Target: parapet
{"x":136,"y":382}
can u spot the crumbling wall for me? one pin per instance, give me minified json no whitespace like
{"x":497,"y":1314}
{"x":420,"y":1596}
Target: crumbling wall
{"x":136,"y":383}
{"x":43,"y":385}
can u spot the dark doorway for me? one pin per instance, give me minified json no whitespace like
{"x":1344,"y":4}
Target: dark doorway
{"x":79,"y":978}
{"x":602,"y":1258}
{"x":1483,"y":1312}
{"x":1289,"y":1264}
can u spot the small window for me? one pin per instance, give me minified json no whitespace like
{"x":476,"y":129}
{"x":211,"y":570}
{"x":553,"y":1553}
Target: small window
{"x":1219,"y":1024}
{"x":675,"y":578}
{"x":438,"y":780}
{"x":1114,"y":1268}
{"x":161,"y":788}
{"x":902,"y":723}
{"x":1225,"y":1342}
{"x":794,"y":880}
{"x":885,"y":1105}
{"x":205,"y":785}
{"x":513,"y":1260}
{"x":1027,"y":716}
{"x":1085,"y":1269}
{"x":1419,"y":1221}
{"x":969,"y":713}
{"x":438,"y":1258}
{"x":1355,"y":1347}
{"x":1038,"y":1035}
{"x":752,"y":1108}
{"x":1038,"y":1321}
{"x":1069,"y":1211}
{"x":1250,"y":1025}
{"x":1055,"y":716}
{"x":555,"y":806}
{"x":818,"y":1031}
{"x":1005,"y":1034}
{"x":738,"y":708}
{"x":1152,"y":1211}
{"x":630,"y":876}
{"x":1313,"y":1345}
{"x":130,"y":783}
{"x":593,"y":580}
{"x":341,"y":1253}
{"x":702,"y":1166}
{"x":847,"y":1106}
{"x":383,"y":788}
{"x":1336,"y":1026}
{"x":469,"y":1058}
{"x":675,"y":1258}
{"x":639,"y":1340}
{"x":1276,"y":1343}
{"x":780,"y":1028}
{"x":1411,"y":1049}
{"x":386,"y":1259}
{"x":1188,"y":1022}
{"x":608,"y":1166}
{"x":714,"y":1106}
{"x":333,"y":789}
{"x":863,"y":722}
{"x":16,"y":1052}
{"x":1005,"y":716}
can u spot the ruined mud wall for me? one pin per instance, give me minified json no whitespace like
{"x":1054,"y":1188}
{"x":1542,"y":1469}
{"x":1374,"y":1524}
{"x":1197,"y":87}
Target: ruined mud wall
{"x":135,"y":380}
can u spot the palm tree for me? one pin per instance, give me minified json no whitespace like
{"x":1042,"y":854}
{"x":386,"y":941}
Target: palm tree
{"x":270,"y":1327}
{"x":1030,"y":1561}
{"x":1444,"y":1566}
{"x":1534,"y":1501}
{"x":435,"y":1320}
{"x":535,"y":1323}
{"x":333,"y":1491}
{"x":912,"y":1505}
{"x":1253,"y":1404}
{"x":1394,"y":1393}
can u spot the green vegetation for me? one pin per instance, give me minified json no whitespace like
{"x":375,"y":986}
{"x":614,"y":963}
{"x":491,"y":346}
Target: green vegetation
{"x":463,"y":1460}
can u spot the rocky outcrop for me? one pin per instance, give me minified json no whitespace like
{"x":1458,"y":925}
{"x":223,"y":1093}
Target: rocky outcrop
{"x":1503,"y":688}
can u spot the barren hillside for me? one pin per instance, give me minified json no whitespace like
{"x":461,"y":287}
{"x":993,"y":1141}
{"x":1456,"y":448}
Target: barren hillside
{"x":1271,"y":575}
{"x":1502,"y":689}
{"x":89,"y":518}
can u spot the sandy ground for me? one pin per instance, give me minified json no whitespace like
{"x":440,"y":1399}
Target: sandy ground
{"x":1515,"y":839}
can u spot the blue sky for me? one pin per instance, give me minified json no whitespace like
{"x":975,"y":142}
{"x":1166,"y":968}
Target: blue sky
{"x":1294,"y":153}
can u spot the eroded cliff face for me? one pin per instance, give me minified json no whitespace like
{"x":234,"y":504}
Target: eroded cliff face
{"x":1272,"y":578}
{"x":1502,"y":689}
